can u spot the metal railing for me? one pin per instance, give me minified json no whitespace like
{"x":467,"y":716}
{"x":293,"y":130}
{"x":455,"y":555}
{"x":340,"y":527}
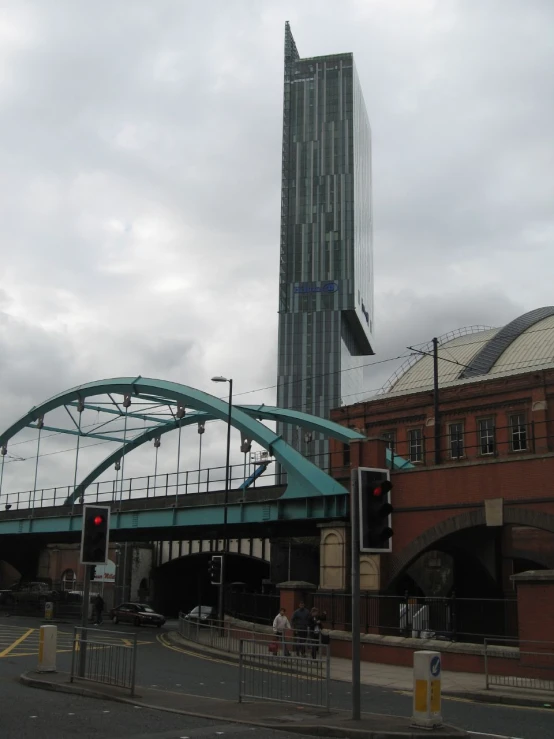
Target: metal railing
{"x":257,"y":607}
{"x":531,"y":666}
{"x":452,"y":618}
{"x":280,"y":675}
{"x":98,"y":660}
{"x":224,"y":637}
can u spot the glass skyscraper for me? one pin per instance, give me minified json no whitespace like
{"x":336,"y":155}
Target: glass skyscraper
{"x":326,"y":255}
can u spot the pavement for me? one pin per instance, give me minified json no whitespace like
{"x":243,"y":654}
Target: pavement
{"x":266,"y":715}
{"x":467,"y":685}
{"x":166,"y":666}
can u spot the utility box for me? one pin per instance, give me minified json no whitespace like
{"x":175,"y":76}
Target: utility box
{"x":427,"y":690}
{"x":47,"y":646}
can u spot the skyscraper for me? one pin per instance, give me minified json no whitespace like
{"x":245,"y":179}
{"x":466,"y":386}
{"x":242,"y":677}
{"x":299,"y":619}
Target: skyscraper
{"x":326,"y":255}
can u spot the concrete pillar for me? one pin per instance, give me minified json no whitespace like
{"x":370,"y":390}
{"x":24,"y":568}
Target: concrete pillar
{"x":293,"y":592}
{"x":535,"y":605}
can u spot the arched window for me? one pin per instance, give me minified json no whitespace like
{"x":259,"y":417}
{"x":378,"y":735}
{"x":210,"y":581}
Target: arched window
{"x":68,"y":580}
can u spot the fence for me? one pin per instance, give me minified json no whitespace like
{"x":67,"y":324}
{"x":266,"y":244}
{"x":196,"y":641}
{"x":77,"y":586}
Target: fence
{"x":98,"y":660}
{"x":283,"y":677}
{"x":219,"y":636}
{"x":257,"y":607}
{"x":452,"y":618}
{"x":508,"y":666}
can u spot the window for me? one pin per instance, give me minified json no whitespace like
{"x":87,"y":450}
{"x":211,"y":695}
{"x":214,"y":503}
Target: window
{"x":486,"y":436}
{"x":390,"y":438}
{"x":415,"y":445}
{"x":346,"y":455}
{"x":68,"y":580}
{"x":456,"y":440}
{"x":518,"y":432}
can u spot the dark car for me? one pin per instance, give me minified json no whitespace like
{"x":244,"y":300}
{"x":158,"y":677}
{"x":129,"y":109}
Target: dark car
{"x":138,"y":614}
{"x":202,"y":615}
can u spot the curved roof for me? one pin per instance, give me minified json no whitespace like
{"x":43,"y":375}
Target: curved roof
{"x":524,"y":344}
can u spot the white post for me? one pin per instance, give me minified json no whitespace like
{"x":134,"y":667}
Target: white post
{"x":47,"y":645}
{"x":427,"y":690}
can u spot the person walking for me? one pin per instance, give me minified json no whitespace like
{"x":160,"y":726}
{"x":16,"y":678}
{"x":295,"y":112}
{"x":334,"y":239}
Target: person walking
{"x":280,"y":626}
{"x":98,"y":606}
{"x":300,"y":624}
{"x":314,"y":631}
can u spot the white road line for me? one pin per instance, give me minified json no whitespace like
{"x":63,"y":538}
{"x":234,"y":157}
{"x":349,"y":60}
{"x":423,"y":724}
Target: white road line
{"x":494,"y":736}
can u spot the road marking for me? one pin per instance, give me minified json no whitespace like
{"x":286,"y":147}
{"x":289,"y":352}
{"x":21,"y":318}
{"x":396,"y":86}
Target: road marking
{"x":481,"y":703}
{"x":16,"y":643}
{"x":495,"y":736}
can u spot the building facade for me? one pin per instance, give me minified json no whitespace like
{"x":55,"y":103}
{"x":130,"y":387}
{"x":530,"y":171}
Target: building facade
{"x":326,"y":270}
{"x":483,"y":510}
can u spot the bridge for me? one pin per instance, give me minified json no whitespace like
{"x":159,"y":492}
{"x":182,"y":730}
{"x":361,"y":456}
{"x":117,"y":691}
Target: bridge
{"x":157,"y":508}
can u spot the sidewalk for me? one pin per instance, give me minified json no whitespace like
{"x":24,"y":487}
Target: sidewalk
{"x":466,"y":685}
{"x":259,"y":714}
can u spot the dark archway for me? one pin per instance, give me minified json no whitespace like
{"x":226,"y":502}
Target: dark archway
{"x":183,"y":583}
{"x":430,"y":538}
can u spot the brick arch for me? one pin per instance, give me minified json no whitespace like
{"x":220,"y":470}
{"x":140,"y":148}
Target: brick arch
{"x":516,"y":516}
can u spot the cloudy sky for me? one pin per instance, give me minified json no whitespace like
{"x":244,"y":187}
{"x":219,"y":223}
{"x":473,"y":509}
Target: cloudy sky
{"x":139,"y":187}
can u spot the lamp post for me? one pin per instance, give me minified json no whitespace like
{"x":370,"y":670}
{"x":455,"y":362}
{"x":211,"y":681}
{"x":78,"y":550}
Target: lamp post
{"x":221,"y":607}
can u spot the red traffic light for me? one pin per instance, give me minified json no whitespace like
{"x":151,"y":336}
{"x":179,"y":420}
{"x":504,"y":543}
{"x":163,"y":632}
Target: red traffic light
{"x":381,"y":489}
{"x":98,"y":520}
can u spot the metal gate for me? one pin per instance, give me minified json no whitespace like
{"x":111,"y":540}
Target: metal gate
{"x":283,"y":675}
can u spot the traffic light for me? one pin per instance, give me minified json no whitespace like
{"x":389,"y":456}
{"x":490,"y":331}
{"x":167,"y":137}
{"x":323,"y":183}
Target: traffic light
{"x":375,"y":510}
{"x":215,"y":569}
{"x":95,"y":535}
{"x":92,"y":572}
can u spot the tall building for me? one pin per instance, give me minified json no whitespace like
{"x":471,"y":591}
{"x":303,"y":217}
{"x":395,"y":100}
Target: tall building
{"x":326,"y":256}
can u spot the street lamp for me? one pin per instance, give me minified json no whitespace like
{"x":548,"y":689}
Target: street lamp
{"x":226,"y":499}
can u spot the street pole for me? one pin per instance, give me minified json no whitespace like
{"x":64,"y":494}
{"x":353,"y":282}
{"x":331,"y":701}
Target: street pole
{"x":436,"y":400}
{"x":221,"y":603}
{"x":84,"y":622}
{"x":355,"y":571}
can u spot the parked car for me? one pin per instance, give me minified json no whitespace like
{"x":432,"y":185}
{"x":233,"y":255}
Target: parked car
{"x":29,"y":592}
{"x":202,"y":614}
{"x":138,"y":614}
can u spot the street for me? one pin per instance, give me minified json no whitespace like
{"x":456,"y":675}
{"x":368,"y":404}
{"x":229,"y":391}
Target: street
{"x":41,"y":715}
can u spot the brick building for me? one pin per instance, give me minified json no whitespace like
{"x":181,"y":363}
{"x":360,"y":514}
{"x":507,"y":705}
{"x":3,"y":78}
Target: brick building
{"x":473,"y":498}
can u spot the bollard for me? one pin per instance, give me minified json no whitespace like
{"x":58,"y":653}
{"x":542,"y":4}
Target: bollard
{"x":47,"y":645}
{"x":48,"y":611}
{"x":427,"y":690}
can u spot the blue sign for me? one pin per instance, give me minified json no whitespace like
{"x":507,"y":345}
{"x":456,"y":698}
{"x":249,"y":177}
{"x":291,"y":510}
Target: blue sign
{"x":306,"y":289}
{"x":435,"y":666}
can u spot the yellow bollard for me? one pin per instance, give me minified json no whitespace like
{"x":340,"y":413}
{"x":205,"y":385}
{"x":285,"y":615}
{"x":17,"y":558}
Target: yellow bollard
{"x":427,"y":690}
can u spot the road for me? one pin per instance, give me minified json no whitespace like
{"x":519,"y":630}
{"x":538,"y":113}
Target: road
{"x":165,"y":667}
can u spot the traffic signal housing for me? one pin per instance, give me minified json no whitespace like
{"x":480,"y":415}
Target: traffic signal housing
{"x":95,"y":536}
{"x":375,"y":487}
{"x":215,"y":569}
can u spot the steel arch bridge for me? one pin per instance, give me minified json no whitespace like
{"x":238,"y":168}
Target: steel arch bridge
{"x":165,"y":406}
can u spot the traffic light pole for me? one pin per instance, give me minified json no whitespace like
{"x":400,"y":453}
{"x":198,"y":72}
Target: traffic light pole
{"x":355,"y":571}
{"x":84,"y":622}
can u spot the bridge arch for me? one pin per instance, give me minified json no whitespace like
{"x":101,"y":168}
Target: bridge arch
{"x":517,"y":516}
{"x":304,"y":478}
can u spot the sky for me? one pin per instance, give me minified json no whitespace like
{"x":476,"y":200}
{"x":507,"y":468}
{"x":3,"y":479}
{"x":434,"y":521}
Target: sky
{"x":140,"y":187}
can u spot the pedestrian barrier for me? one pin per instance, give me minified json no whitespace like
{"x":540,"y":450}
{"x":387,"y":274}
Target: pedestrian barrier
{"x":519,"y":664}
{"x":100,"y":661}
{"x":282,"y":675}
{"x":219,"y":636}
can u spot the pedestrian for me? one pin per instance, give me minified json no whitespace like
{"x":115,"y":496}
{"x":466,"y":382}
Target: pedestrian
{"x":98,"y":605}
{"x":314,"y":631}
{"x":280,"y":626}
{"x":300,"y":624}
